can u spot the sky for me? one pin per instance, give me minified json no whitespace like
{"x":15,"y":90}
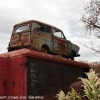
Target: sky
{"x":64,"y":14}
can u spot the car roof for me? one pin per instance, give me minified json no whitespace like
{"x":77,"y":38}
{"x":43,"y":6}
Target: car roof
{"x":29,"y":21}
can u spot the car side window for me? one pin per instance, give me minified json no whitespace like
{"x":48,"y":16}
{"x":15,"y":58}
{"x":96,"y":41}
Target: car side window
{"x":47,"y":29}
{"x":37,"y":26}
{"x":42,"y":28}
{"x":58,"y":33}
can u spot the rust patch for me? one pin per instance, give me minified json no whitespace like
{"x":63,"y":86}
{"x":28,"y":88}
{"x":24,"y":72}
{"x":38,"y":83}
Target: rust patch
{"x":21,"y":39}
{"x":25,"y":40}
{"x":44,"y":36}
{"x":15,"y":37}
{"x":61,"y":46}
{"x":37,"y":44}
{"x":16,"y":43}
{"x":25,"y":35}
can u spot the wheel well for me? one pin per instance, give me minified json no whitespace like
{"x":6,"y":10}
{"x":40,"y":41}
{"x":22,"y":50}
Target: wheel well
{"x":74,"y":53}
{"x":45,"y":46}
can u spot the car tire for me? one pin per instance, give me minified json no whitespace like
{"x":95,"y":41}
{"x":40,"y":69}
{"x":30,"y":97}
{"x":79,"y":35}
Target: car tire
{"x":44,"y":50}
{"x":72,"y":55}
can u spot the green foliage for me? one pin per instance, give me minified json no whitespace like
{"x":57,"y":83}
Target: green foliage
{"x":91,"y":88}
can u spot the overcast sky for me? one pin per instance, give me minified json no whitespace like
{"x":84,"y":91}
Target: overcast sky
{"x":64,"y":14}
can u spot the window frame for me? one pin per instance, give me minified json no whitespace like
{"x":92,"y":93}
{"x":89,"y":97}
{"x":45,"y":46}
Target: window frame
{"x":42,"y":26}
{"x":18,"y":26}
{"x":57,"y":30}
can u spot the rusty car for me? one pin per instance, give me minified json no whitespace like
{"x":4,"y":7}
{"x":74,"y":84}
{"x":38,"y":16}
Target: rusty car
{"x":39,"y":36}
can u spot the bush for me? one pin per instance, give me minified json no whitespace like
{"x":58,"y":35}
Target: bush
{"x":91,"y":88}
{"x":93,"y":65}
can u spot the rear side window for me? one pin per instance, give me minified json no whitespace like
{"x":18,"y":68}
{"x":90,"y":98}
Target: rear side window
{"x":22,"y":28}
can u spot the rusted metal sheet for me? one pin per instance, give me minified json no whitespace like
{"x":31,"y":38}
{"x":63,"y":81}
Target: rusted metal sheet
{"x":43,"y":36}
{"x":15,"y":53}
{"x":4,"y":77}
{"x":78,"y":87}
{"x":13,"y":78}
{"x":18,"y":77}
{"x":14,"y":38}
{"x":47,"y":77}
{"x":60,"y":45}
{"x":40,"y":39}
{"x":20,"y":40}
{"x":28,"y":52}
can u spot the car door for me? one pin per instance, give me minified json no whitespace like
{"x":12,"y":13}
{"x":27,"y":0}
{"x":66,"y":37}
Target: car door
{"x":59,"y":42}
{"x":42,"y":36}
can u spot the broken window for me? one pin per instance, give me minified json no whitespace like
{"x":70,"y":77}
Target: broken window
{"x":22,"y":28}
{"x":41,"y":27}
{"x":58,"y":33}
{"x":38,"y":27}
{"x":47,"y":29}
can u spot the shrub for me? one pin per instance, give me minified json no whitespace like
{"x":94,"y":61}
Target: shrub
{"x":93,"y":65}
{"x":91,"y":88}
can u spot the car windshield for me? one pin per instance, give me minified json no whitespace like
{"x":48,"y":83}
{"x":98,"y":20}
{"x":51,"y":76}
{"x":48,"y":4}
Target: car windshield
{"x":22,"y":28}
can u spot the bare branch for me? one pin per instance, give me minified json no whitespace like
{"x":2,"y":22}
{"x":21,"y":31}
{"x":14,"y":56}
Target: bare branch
{"x":91,"y":20}
{"x":95,"y":49}
{"x":91,"y":17}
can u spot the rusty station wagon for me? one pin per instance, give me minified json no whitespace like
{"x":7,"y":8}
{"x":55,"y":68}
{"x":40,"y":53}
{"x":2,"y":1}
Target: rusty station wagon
{"x":42,"y":37}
